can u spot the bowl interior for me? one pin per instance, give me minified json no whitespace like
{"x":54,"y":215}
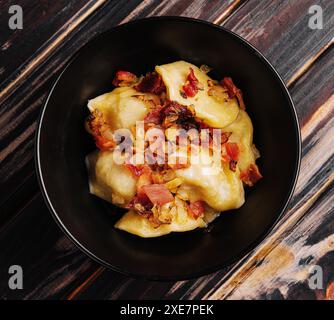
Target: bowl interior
{"x":63,"y":144}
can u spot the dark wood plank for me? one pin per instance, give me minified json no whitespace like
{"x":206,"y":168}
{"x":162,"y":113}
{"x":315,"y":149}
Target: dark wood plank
{"x":316,"y":179}
{"x":120,"y":287}
{"x":42,"y":21}
{"x":284,"y":272}
{"x":20,"y":108}
{"x":215,"y":11}
{"x":280,"y":30}
{"x":51,"y":264}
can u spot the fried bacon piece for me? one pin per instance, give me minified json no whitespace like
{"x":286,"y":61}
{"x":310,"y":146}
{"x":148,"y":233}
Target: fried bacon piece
{"x":98,"y":128}
{"x":225,"y":136}
{"x":191,"y":86}
{"x":172,"y":113}
{"x":151,"y":83}
{"x":124,"y":79}
{"x":232,"y":150}
{"x":94,"y":122}
{"x":142,"y":205}
{"x":155,"y":116}
{"x":103,"y":143}
{"x":251,"y":176}
{"x":175,"y":113}
{"x":145,"y":179}
{"x":232,"y":154}
{"x":158,"y":194}
{"x":135,"y":170}
{"x":233,"y":91}
{"x":196,"y":209}
{"x":148,"y":193}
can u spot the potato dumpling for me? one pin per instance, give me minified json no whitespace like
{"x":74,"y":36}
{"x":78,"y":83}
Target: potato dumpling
{"x":120,"y":107}
{"x":212,"y":111}
{"x":140,"y":226}
{"x":108,"y":180}
{"x":219,"y":187}
{"x":171,"y":198}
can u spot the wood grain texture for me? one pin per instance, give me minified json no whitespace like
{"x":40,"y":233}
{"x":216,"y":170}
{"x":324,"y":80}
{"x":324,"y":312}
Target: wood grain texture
{"x":55,"y":268}
{"x":316,"y":179}
{"x":40,"y":19}
{"x":44,"y":254}
{"x":280,"y":30}
{"x":20,"y":108}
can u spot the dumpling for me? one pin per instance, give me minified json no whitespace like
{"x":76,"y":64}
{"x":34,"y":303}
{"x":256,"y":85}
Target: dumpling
{"x":109,"y":180}
{"x":219,"y":187}
{"x":171,"y":197}
{"x":213,"y":112}
{"x":140,"y":226}
{"x":121,"y":107}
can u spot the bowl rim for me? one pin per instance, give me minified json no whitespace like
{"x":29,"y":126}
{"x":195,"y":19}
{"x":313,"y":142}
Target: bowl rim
{"x":205,"y":271}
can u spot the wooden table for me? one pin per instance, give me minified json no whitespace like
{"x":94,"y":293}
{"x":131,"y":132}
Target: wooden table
{"x":31,"y":59}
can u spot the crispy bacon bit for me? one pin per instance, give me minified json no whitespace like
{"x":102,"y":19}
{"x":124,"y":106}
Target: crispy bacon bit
{"x":98,"y":128}
{"x":232,"y":154}
{"x":151,"y":83}
{"x":192,"y":85}
{"x":103,"y":143}
{"x":233,"y":91}
{"x":183,"y":94}
{"x":225,"y":136}
{"x":94,"y":123}
{"x":172,"y":113}
{"x":155,"y":116}
{"x":251,"y":176}
{"x":196,"y":209}
{"x":141,"y":205}
{"x":124,"y":79}
{"x":158,"y":194}
{"x":189,"y":90}
{"x":135,"y":170}
{"x":175,"y":113}
{"x":233,"y":165}
{"x":232,"y":150}
{"x":145,"y":179}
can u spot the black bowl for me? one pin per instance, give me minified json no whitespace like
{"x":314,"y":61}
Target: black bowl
{"x":62,"y":145}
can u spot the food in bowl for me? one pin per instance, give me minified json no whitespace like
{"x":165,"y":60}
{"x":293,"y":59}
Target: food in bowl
{"x":174,"y":147}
